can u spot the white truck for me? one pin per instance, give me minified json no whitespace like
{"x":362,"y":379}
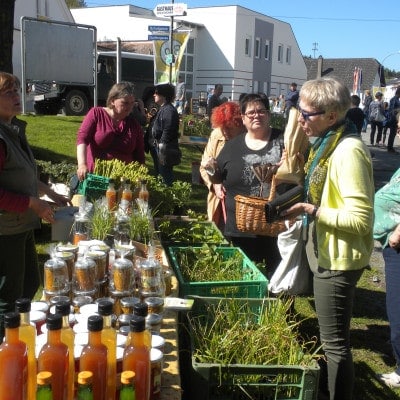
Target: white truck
{"x":73,"y":99}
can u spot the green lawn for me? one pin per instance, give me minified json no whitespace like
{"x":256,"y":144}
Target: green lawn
{"x":53,"y":138}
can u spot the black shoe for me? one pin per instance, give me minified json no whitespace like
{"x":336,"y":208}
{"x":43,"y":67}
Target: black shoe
{"x":392,"y":151}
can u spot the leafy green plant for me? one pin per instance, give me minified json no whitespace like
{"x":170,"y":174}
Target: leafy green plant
{"x":189,"y":231}
{"x":195,"y":126}
{"x":208,"y":263}
{"x":57,"y":172}
{"x":278,"y":121}
{"x":101,"y":221}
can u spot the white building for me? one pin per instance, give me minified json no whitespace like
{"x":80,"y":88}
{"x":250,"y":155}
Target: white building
{"x":244,"y":50}
{"x":55,"y":10}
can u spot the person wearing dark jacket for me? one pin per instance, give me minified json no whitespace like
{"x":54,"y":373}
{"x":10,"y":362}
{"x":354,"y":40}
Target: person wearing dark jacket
{"x":21,"y":208}
{"x":165,"y":132}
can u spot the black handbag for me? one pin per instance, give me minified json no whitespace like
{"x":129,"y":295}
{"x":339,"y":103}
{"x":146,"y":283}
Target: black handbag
{"x":283,"y":202}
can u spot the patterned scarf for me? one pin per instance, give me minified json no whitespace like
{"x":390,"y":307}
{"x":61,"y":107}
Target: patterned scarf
{"x":316,"y":167}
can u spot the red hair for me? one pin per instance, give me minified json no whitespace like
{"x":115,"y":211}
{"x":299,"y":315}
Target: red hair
{"x":226,"y":115}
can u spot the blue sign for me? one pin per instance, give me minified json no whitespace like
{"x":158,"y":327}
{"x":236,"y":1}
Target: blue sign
{"x":164,"y":38}
{"x":158,"y":28}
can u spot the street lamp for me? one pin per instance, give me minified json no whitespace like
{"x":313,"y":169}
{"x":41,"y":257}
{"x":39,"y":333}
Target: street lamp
{"x":381,"y":67}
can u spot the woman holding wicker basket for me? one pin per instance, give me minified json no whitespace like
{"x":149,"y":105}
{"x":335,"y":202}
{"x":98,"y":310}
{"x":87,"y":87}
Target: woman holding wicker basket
{"x":246,"y":165}
{"x":339,"y":215}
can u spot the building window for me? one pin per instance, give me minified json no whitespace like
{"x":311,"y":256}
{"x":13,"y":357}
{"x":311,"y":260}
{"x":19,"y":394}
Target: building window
{"x":247,"y":46}
{"x":267,"y":49}
{"x":190,"y":46}
{"x":288,"y":55}
{"x":257,"y":48}
{"x":280,"y":53}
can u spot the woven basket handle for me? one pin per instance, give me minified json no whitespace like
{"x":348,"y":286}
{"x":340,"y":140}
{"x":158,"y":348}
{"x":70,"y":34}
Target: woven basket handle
{"x":272,"y":192}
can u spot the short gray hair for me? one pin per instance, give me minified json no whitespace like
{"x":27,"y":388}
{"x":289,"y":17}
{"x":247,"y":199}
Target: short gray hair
{"x":328,"y":94}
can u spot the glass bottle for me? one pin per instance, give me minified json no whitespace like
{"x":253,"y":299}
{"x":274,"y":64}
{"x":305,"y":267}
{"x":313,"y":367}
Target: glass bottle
{"x":80,"y":227}
{"x":85,"y":388}
{"x":27,"y":333}
{"x":127,"y":192}
{"x":53,"y":357}
{"x":67,"y":337}
{"x":143,"y":193}
{"x":44,"y":390}
{"x":136,"y":357}
{"x":127,"y":391}
{"x":13,"y":361}
{"x":111,"y":195}
{"x":109,"y":338}
{"x":142,"y":309}
{"x":94,"y":357}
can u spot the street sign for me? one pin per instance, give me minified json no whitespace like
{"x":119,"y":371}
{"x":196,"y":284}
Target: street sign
{"x":158,"y":37}
{"x":158,"y":28}
{"x":170,"y":10}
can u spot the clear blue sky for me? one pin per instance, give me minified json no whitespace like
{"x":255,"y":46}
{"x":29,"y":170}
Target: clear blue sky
{"x":341,"y":28}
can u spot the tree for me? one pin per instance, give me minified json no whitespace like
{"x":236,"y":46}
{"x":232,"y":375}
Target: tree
{"x":75,"y":3}
{"x":6,"y":34}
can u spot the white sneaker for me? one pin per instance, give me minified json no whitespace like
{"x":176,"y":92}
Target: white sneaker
{"x":392,"y":379}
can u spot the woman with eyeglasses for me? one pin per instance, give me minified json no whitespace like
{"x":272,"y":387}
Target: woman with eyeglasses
{"x":339,"y":213}
{"x":260,"y":147}
{"x":20,"y":206}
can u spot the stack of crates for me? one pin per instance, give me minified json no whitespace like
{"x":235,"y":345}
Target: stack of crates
{"x":93,"y":187}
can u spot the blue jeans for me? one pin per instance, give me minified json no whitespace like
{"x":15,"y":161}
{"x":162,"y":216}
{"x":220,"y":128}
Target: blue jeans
{"x":334,"y":295}
{"x":392,"y":277}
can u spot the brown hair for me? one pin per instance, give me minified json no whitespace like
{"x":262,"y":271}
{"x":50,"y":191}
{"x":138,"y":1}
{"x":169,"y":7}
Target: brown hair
{"x":8,"y":81}
{"x":120,"y":90}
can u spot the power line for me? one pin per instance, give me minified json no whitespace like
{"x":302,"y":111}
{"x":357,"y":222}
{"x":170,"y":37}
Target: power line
{"x":338,"y":19}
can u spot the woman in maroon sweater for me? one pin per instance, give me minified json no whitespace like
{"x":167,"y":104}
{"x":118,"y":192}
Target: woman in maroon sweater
{"x":110,"y":132}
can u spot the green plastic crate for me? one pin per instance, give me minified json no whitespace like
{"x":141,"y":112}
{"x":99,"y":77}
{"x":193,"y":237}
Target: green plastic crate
{"x":93,"y":186}
{"x":212,"y":381}
{"x":256,"y":382}
{"x":253,"y":285}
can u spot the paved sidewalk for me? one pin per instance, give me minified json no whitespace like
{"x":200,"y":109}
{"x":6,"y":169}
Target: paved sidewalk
{"x":384,"y":163}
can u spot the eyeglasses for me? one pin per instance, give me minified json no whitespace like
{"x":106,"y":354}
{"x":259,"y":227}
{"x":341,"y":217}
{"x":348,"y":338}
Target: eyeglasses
{"x":252,"y":113}
{"x":306,"y":115}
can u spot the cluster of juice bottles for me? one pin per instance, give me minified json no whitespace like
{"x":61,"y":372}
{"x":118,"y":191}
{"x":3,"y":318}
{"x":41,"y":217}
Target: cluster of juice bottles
{"x":51,"y":374}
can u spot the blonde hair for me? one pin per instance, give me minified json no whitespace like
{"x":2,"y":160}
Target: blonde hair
{"x":327,"y":94}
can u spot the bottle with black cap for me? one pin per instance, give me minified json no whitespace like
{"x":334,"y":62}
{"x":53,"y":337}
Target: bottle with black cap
{"x":13,"y":361}
{"x":53,"y":356}
{"x":68,"y":338}
{"x":136,"y":357}
{"x":27,"y":333}
{"x":94,"y":357}
{"x":109,"y":338}
{"x":142,"y":309}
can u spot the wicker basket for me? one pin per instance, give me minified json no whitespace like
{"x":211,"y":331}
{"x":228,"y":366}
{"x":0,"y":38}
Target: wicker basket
{"x":250,"y":215}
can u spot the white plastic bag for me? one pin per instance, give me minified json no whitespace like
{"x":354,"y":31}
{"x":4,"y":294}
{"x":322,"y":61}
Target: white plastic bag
{"x":293,"y":275}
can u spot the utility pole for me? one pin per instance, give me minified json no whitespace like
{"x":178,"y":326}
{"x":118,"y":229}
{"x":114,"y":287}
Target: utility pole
{"x":315,"y":48}
{"x":171,"y":46}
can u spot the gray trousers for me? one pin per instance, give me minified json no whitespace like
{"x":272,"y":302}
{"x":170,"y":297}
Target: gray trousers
{"x":334,"y":296}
